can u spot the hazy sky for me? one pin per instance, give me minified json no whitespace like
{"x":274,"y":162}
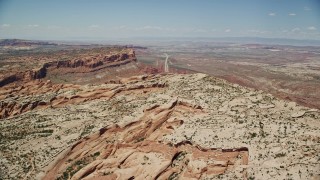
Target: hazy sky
{"x":99,"y":19}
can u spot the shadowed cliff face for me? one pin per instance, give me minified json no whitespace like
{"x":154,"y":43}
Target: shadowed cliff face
{"x":94,"y":62}
{"x":24,"y":76}
{"x":136,"y":151}
{"x":87,"y":64}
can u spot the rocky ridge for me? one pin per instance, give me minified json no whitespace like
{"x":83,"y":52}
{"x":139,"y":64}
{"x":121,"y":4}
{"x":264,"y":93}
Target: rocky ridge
{"x":136,"y":151}
{"x":175,"y":126}
{"x":87,"y":64}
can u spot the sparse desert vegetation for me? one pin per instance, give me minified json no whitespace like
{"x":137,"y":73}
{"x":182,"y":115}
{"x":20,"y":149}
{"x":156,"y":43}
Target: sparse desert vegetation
{"x":163,"y":90}
{"x":280,"y":139}
{"x":288,"y":72}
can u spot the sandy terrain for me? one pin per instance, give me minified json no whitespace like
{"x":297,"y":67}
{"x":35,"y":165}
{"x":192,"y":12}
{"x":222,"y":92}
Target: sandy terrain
{"x":287,"y":72}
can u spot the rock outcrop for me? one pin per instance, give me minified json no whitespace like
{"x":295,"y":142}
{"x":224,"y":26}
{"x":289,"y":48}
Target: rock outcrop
{"x":87,"y":64}
{"x":24,"y":76}
{"x":32,"y":95}
{"x":136,"y":152}
{"x":94,"y":62}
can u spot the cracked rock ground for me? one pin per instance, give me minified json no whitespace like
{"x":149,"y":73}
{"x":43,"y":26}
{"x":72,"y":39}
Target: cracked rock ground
{"x":164,"y":126}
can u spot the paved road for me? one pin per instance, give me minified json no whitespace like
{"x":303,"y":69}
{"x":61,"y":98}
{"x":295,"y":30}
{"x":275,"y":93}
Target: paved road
{"x":166,"y":65}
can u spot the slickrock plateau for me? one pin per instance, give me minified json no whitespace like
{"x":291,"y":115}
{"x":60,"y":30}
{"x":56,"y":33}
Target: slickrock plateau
{"x":136,"y":151}
{"x":163,"y":126}
{"x":98,"y":113}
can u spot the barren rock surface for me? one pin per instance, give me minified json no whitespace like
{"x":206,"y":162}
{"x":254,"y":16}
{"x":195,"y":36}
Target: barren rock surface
{"x":157,"y":126}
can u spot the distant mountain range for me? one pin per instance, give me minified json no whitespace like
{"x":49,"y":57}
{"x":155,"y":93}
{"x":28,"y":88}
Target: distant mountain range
{"x":277,"y":41}
{"x":137,"y":40}
{"x":22,"y":42}
{"x":241,"y":40}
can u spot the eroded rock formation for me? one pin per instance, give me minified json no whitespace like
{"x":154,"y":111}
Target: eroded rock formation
{"x":154,"y":126}
{"x":44,"y":94}
{"x":135,"y":151}
{"x":24,"y":76}
{"x":86,"y":64}
{"x":95,"y":61}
